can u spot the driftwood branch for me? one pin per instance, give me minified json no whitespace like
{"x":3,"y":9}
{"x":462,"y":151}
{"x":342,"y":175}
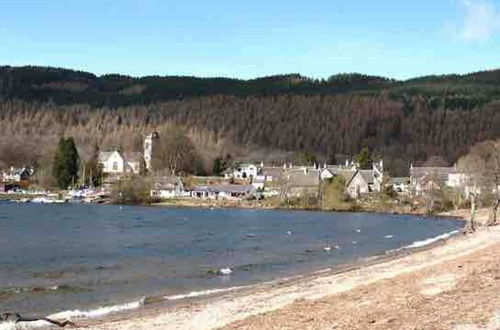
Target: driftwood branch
{"x":16,"y":318}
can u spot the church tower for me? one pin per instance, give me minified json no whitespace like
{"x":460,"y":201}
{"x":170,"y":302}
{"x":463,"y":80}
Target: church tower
{"x":149,"y":142}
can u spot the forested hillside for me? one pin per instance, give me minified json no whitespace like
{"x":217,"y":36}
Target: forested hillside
{"x":403,"y":121}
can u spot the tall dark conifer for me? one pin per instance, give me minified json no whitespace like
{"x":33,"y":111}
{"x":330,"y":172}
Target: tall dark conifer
{"x":66,"y":162}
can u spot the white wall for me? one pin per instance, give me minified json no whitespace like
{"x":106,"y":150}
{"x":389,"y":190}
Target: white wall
{"x":114,"y":164}
{"x":357,"y":187}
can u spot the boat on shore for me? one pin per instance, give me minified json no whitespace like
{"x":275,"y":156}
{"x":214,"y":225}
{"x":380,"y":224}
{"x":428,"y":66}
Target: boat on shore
{"x":74,"y":196}
{"x":43,"y":200}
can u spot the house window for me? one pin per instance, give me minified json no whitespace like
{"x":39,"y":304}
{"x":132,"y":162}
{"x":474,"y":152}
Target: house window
{"x":115,"y":166}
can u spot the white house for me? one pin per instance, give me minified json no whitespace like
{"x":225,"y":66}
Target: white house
{"x":223,"y":191}
{"x":464,"y":183}
{"x":366,"y":181}
{"x":17,"y":174}
{"x":116,"y":162}
{"x":330,"y":171}
{"x":259,"y":182}
{"x":401,"y":185}
{"x":243,"y":171}
{"x":168,"y":187}
{"x":427,"y":178}
{"x":271,"y":173}
{"x":362,"y":182}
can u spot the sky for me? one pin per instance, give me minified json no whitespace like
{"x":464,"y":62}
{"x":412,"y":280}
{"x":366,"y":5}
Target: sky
{"x":253,"y":38}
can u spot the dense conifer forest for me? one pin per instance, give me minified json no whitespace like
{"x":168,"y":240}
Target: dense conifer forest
{"x":402,"y":121}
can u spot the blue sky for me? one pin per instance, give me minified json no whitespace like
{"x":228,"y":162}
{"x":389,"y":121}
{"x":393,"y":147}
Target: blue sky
{"x":247,"y":39}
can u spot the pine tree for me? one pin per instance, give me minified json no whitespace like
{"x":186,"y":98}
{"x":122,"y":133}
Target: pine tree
{"x":364,"y":159}
{"x":66,"y":161}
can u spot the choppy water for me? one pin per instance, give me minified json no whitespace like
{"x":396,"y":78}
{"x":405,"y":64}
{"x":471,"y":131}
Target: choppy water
{"x":60,"y":257}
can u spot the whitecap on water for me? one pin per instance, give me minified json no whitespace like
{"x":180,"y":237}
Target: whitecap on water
{"x":225,"y":271}
{"x":98,"y":312}
{"x":428,"y":241}
{"x":72,"y":315}
{"x":201,"y":293}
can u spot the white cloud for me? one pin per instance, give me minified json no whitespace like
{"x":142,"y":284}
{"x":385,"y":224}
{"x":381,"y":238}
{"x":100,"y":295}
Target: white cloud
{"x":480,"y":21}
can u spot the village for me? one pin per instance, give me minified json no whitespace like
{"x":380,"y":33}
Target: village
{"x":249,"y":181}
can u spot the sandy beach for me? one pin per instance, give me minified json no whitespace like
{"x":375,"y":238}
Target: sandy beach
{"x":452,"y":285}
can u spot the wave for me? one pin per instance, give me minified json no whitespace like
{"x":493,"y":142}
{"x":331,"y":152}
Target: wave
{"x":98,"y":312}
{"x":105,"y":310}
{"x":72,"y":315}
{"x":201,"y":293}
{"x":432,"y":240}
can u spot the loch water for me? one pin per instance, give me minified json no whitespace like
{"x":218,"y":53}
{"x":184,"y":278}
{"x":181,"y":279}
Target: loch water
{"x":62,"y":257}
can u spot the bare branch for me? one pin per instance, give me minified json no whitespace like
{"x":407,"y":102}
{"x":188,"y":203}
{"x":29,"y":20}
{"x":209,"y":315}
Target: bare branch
{"x":17,"y":318}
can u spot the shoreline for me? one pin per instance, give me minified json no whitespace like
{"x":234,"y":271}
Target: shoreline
{"x":237,"y":205}
{"x":218,"y":310}
{"x":213,"y":204}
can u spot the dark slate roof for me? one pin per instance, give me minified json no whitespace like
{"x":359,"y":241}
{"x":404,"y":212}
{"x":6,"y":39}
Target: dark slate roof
{"x":439,"y":173}
{"x":166,"y":182}
{"x":104,"y":155}
{"x":367,"y":175}
{"x":228,"y":188}
{"x":347,"y":174}
{"x":400,"y":180}
{"x":132,"y":157}
{"x":303,"y":178}
{"x":19,"y":171}
{"x":275,"y":172}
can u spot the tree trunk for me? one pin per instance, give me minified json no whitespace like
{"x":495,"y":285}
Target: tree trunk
{"x":471,"y":226}
{"x":493,"y":220}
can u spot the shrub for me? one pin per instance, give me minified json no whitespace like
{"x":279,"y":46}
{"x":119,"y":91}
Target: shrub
{"x":135,"y":190}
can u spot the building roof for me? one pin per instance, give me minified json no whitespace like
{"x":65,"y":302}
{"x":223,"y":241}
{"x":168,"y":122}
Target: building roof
{"x":167,"y":182}
{"x":129,"y":157}
{"x":132,"y":157}
{"x":346,"y":174}
{"x":105,"y":155}
{"x":438,"y":173}
{"x":400,"y":180}
{"x":227,"y":188}
{"x":273,"y":171}
{"x":367,"y":175}
{"x":303,"y":177}
{"x":18,"y":171}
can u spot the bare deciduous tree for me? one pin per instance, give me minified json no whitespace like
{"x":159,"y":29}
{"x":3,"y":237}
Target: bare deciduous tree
{"x":481,"y":177}
{"x":176,"y":152}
